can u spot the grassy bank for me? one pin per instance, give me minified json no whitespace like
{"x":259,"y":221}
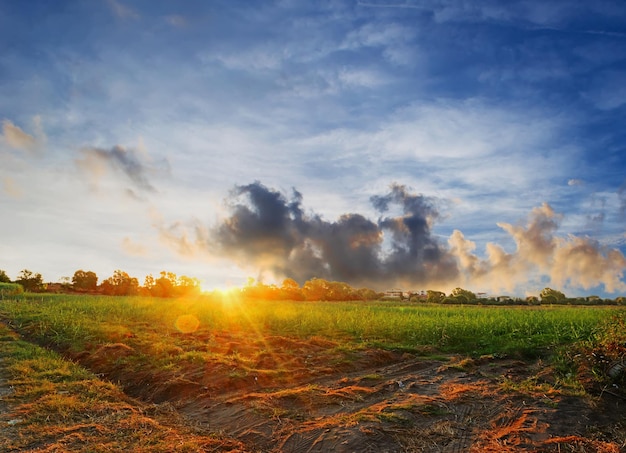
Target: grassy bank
{"x":51,"y":404}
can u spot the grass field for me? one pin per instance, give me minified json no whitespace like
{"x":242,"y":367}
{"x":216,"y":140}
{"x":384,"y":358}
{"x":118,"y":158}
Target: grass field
{"x":295,"y":361}
{"x":72,"y":321}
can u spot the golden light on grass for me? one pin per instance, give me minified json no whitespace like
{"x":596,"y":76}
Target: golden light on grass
{"x":187,"y":323}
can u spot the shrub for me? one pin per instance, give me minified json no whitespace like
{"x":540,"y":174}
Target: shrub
{"x":10,"y":289}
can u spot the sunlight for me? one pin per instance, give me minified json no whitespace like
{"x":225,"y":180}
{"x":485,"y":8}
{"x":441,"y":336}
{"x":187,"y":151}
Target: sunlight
{"x":187,"y":323}
{"x":223,"y":291}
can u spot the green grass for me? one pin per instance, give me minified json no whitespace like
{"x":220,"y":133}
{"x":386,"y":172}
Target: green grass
{"x":71,"y":322}
{"x":8,"y":290}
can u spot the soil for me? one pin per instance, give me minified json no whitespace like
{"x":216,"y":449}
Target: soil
{"x":310,"y":395}
{"x":371,"y":400}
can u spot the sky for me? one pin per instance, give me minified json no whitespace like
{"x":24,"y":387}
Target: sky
{"x":419,"y":144}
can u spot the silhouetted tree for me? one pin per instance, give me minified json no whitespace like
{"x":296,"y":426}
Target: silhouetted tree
{"x":187,"y":285}
{"x":120,"y":284}
{"x":29,"y":281}
{"x":165,"y":285}
{"x":84,"y":280}
{"x":4,"y":278}
{"x":290,"y":290}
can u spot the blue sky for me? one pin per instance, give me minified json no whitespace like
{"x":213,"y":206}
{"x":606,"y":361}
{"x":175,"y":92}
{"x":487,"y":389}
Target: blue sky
{"x":421,"y":144}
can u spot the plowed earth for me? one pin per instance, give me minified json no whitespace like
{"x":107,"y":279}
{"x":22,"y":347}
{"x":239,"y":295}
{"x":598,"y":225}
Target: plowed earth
{"x":279,"y":394}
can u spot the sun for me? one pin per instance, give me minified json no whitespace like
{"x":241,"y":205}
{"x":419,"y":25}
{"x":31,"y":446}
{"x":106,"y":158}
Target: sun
{"x":225,"y":291}
{"x":204,"y":288}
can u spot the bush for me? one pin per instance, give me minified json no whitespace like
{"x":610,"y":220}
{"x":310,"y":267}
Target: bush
{"x":10,"y":289}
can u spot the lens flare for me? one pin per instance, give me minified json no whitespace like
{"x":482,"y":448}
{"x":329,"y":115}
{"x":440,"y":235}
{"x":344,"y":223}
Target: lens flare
{"x":187,"y":323}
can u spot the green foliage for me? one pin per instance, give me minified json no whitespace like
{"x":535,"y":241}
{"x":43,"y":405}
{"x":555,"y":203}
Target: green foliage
{"x":85,"y":280}
{"x":4,"y":278}
{"x":169,"y":285}
{"x":10,"y":289}
{"x":30,"y":282}
{"x":551,"y":296}
{"x":120,"y":284}
{"x":463,"y":295}
{"x":315,"y":289}
{"x":435,"y":297}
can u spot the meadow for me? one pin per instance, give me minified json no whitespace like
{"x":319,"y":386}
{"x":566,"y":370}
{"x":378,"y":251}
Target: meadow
{"x":71,"y":321}
{"x":260,"y":375}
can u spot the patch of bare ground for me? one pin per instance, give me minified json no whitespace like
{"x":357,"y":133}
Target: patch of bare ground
{"x":281,"y":394}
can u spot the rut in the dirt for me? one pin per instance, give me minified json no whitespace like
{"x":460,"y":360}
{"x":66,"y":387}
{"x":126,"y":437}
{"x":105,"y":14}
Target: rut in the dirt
{"x":378,"y":401}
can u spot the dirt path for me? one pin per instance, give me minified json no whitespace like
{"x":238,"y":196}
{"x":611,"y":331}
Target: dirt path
{"x":412,"y":405}
{"x":365,"y":400}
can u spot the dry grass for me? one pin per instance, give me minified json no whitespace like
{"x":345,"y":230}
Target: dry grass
{"x":52,"y":405}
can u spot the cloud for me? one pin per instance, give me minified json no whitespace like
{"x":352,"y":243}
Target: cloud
{"x":176,"y":20}
{"x":575,"y":182}
{"x":16,"y":138}
{"x":135,"y":165}
{"x":132,"y":248}
{"x":271,"y":232}
{"x":122,"y":11}
{"x":11,"y":188}
{"x":568,"y":262}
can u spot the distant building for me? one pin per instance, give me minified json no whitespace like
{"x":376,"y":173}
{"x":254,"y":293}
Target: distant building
{"x":393,"y":294}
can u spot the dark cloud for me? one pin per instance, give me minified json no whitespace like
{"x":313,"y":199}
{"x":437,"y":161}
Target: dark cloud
{"x":132,"y":163}
{"x":272,"y":231}
{"x":412,"y":245}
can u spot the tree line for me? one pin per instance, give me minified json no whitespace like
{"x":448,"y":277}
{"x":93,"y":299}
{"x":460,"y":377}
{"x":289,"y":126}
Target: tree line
{"x":168,"y":284}
{"x":314,"y":289}
{"x":547,"y":296}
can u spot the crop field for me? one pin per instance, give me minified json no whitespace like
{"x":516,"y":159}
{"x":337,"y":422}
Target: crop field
{"x":95,"y":373}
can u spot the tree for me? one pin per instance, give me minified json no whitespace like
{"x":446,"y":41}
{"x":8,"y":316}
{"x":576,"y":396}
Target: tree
{"x":4,"y":278}
{"x":339,"y":291}
{"x":463,"y":295}
{"x":315,"y":289}
{"x":84,"y":280}
{"x":435,"y":297}
{"x":366,"y":294}
{"x":259,"y":290}
{"x":148,"y":282}
{"x":165,"y":285}
{"x":120,"y":284}
{"x":290,"y":290}
{"x":551,"y":296}
{"x":29,"y":281}
{"x":532,"y":300}
{"x":187,"y":285}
